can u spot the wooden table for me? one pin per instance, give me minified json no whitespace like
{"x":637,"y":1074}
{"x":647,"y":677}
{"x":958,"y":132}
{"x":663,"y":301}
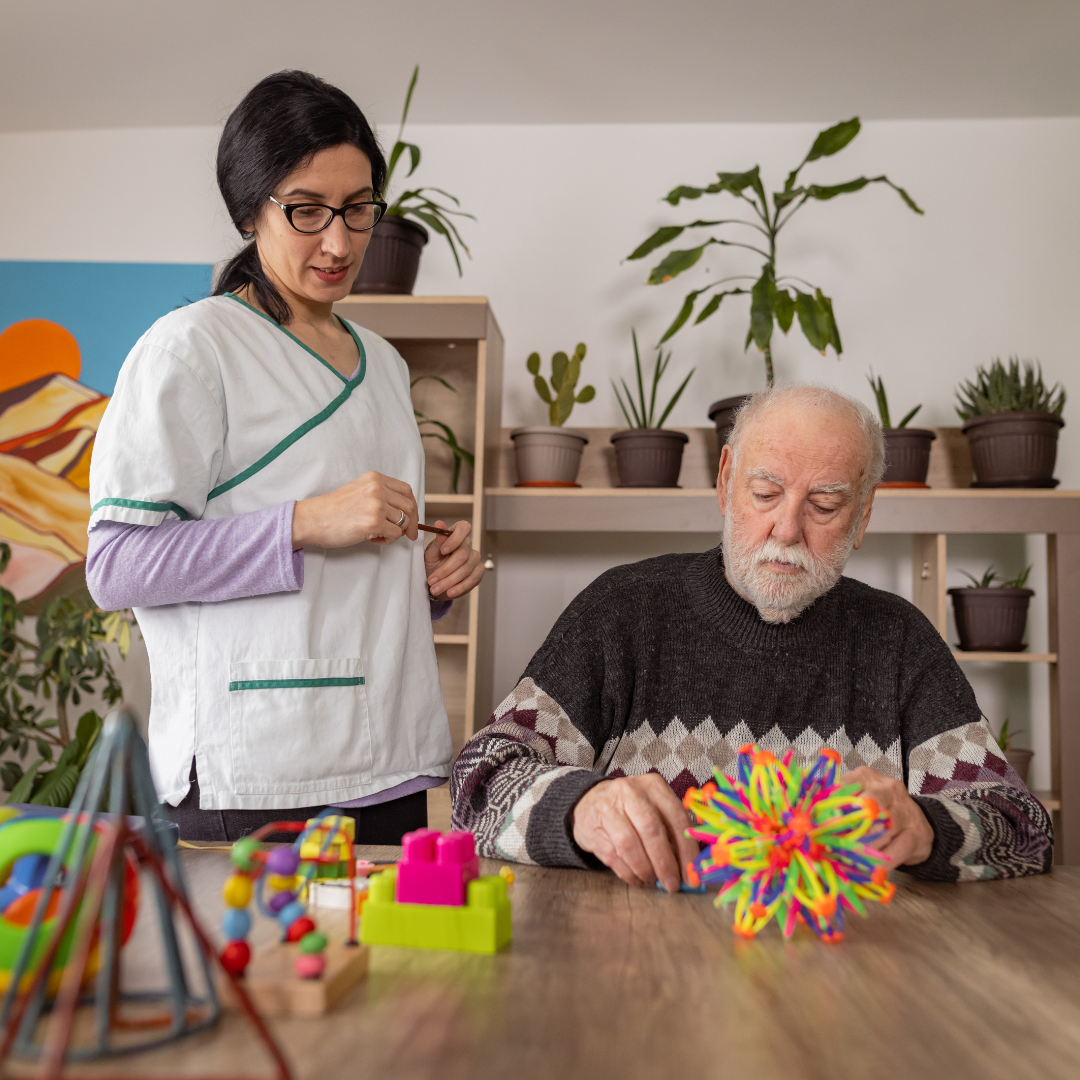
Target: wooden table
{"x":602,"y":980}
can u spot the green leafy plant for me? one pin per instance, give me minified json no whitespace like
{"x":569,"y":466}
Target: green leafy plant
{"x":565,"y":372}
{"x":1009,"y":389}
{"x":1006,"y":735}
{"x":416,"y":203}
{"x":990,"y":575}
{"x":771,"y":299}
{"x":68,"y":660}
{"x":445,"y":433}
{"x":878,"y":387}
{"x":640,"y":415}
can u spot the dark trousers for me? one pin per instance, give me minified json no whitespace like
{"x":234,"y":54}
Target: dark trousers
{"x":384,"y":823}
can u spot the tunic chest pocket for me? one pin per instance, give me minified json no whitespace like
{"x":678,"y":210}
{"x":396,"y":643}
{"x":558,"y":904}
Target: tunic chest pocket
{"x":298,"y":726}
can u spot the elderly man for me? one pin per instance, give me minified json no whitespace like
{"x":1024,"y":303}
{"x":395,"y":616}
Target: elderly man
{"x":660,"y":670}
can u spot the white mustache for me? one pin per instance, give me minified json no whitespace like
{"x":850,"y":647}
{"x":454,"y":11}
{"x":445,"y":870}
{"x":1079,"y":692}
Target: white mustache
{"x":791,"y":554}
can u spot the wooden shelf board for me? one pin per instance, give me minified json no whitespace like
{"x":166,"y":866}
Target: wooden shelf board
{"x":1048,"y":799}
{"x":442,"y":499}
{"x":451,"y":639}
{"x":1008,"y":657}
{"x":957,"y":510}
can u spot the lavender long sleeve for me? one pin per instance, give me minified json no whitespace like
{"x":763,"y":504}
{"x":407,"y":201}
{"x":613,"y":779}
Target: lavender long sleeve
{"x":182,"y":561}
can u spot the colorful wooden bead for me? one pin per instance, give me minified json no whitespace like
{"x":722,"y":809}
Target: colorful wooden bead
{"x":282,"y":883}
{"x":289,"y":914}
{"x":236,"y":922}
{"x":237,"y":891}
{"x":299,"y":928}
{"x":280,"y":900}
{"x":283,"y":860}
{"x":309,"y":965}
{"x":313,"y":942}
{"x":243,"y":853}
{"x":235,"y":957}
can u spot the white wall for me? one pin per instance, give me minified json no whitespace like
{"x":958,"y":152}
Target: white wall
{"x":991,"y":269}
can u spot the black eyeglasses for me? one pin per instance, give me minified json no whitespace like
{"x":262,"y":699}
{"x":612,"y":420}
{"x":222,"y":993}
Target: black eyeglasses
{"x":314,"y":217}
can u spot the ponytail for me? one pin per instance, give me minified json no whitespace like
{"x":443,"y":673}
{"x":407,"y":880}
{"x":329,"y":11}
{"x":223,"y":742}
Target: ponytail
{"x":245,"y":270}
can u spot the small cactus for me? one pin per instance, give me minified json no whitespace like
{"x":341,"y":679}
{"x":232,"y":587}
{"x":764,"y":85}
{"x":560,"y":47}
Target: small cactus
{"x":565,"y":372}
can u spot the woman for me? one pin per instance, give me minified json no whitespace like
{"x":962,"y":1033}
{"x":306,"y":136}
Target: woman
{"x":255,"y":493}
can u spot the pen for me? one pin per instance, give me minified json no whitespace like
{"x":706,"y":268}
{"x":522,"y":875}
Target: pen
{"x":433,"y":529}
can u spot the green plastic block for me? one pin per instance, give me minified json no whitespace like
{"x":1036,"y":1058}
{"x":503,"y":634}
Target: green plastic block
{"x":481,"y":926}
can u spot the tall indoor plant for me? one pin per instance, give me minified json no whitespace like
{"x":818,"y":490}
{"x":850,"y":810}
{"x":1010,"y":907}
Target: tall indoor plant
{"x":551,"y":456}
{"x":907,"y":449}
{"x":393,"y":255}
{"x":1012,"y":423}
{"x":774,"y":298}
{"x":647,"y":454}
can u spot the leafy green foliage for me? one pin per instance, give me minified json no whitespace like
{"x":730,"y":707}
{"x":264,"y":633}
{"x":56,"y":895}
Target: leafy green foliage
{"x":1008,"y":389}
{"x":444,"y":434}
{"x":67,"y":661}
{"x":641,"y":413}
{"x":878,"y":387}
{"x":417,"y":203}
{"x":771,"y":298}
{"x":565,"y":372}
{"x":990,"y":575}
{"x":1006,"y":735}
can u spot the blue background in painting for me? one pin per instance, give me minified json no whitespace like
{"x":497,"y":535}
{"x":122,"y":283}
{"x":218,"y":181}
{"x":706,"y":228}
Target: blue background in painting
{"x":106,"y":306}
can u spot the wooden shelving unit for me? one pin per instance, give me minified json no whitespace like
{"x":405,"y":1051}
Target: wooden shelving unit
{"x":930,"y":516}
{"x":455,"y":338}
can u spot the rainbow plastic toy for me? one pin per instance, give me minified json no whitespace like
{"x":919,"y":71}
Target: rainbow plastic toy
{"x":788,"y":843}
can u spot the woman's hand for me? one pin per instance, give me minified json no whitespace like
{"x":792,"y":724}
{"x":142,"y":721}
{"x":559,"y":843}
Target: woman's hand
{"x":453,"y":567}
{"x":366,"y":509}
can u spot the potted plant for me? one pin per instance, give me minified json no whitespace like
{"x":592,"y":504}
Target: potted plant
{"x":393,"y":254}
{"x":771,"y":298}
{"x":907,"y":450}
{"x":645,"y":454}
{"x":67,"y":660}
{"x":1012,"y":425}
{"x":1017,"y":756}
{"x":989,"y":617}
{"x":551,"y":456}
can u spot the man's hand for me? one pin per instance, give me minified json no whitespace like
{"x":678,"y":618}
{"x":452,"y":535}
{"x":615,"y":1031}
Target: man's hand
{"x":637,"y":826}
{"x":453,"y":567}
{"x":911,"y":838}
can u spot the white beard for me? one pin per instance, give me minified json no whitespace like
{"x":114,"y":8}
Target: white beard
{"x":779,"y":598}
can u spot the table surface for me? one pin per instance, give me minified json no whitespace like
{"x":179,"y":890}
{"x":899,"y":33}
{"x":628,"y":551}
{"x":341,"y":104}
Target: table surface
{"x":603,"y":980}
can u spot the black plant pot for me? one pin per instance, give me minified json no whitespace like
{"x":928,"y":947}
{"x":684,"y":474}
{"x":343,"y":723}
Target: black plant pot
{"x":1014,"y":449}
{"x":722,"y":414}
{"x":907,"y":455}
{"x":392,"y":259}
{"x":991,"y":620}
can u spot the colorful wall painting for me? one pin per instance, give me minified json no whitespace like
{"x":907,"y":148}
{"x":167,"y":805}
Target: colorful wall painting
{"x":65,"y":329}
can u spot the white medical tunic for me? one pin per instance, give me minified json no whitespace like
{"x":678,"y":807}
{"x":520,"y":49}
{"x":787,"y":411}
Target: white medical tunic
{"x":293,"y":699}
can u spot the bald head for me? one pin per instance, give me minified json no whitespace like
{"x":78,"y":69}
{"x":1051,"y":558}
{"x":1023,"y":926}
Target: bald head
{"x":817,"y":415}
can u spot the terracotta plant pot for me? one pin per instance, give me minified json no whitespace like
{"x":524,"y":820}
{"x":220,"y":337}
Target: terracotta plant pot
{"x":548,"y":456}
{"x":991,"y":620}
{"x":1014,"y":449}
{"x":907,"y":455}
{"x":392,"y":258}
{"x":1020,"y":760}
{"x":649,"y":457}
{"x":722,"y":414}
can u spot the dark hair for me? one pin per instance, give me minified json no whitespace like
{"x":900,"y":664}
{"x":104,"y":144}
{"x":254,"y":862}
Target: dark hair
{"x":279,"y":126}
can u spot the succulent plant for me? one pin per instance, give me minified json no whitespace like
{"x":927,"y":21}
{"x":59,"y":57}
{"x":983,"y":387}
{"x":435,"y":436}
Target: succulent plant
{"x":1004,"y":389}
{"x":565,"y":372}
{"x":878,"y":386}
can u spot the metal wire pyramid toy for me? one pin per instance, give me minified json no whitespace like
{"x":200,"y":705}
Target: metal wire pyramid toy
{"x":85,"y":909}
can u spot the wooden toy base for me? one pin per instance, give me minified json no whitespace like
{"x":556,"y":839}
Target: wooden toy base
{"x":277,"y":990}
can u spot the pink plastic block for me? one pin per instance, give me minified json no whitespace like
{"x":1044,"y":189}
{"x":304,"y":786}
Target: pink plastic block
{"x":434,"y":868}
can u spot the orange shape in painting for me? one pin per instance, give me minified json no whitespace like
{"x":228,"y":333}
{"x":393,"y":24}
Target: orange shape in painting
{"x":36,"y":347}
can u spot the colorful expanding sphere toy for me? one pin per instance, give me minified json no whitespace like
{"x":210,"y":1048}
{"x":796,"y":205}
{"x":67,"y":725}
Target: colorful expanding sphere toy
{"x":783,"y":841}
{"x":323,"y":849}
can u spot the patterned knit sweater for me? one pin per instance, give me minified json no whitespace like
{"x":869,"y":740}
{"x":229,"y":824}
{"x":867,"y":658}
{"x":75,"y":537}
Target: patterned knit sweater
{"x":660,"y":666}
